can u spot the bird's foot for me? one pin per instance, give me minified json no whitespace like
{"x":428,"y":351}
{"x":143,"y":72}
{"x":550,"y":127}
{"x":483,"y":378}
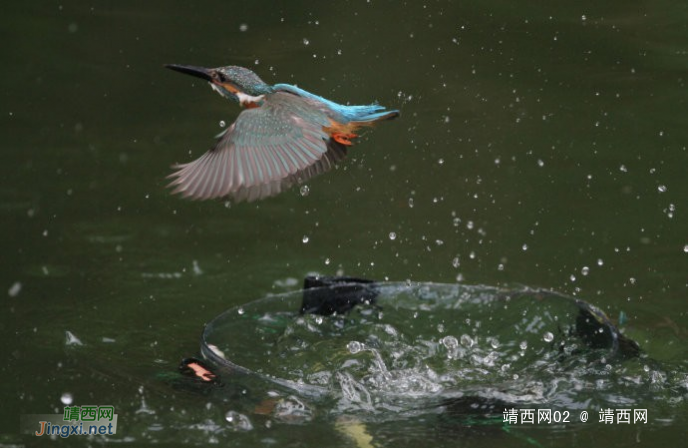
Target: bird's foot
{"x":344,"y":139}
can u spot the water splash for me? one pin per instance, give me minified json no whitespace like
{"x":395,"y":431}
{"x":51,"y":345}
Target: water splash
{"x":238,"y":422}
{"x":421,"y":344}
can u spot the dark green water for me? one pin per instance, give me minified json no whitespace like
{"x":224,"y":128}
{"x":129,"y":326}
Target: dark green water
{"x":539,"y":144}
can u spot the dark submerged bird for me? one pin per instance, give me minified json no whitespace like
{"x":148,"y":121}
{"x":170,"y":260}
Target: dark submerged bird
{"x":284,"y":136}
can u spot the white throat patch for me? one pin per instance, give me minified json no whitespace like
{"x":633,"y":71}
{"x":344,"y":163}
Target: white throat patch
{"x":248,"y":99}
{"x":244,"y":99}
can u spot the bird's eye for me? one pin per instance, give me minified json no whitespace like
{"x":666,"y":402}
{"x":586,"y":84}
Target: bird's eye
{"x":220,"y":77}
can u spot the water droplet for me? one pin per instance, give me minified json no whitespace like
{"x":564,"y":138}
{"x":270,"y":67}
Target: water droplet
{"x":600,"y":262}
{"x":15,"y":289}
{"x":67,"y":398}
{"x":306,"y":41}
{"x":450,"y":342}
{"x":585,"y":270}
{"x":243,"y":27}
{"x":305,"y":190}
{"x":327,"y":261}
{"x":548,"y":337}
{"x":456,"y":262}
{"x":241,"y":311}
{"x":305,"y":239}
{"x":685,"y":248}
{"x":196,"y":268}
{"x":541,"y":163}
{"x":572,"y":278}
{"x":441,"y":161}
{"x":524,"y":247}
{"x":466,"y":341}
{"x":354,"y":347}
{"x":523,"y":345}
{"x":662,"y":188}
{"x":410,"y":202}
{"x":670,"y":211}
{"x":238,"y":422}
{"x":71,"y":339}
{"x":222,"y":123}
{"x":392,"y":236}
{"x":623,"y":169}
{"x":494,"y":343}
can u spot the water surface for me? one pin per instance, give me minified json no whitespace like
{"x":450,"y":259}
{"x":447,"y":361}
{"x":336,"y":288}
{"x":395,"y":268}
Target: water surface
{"x":539,"y":145}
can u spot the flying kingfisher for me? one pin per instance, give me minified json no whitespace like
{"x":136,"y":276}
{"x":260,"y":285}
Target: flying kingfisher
{"x":284,"y":136}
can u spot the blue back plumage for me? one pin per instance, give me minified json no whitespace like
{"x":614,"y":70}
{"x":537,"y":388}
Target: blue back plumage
{"x":370,"y":112}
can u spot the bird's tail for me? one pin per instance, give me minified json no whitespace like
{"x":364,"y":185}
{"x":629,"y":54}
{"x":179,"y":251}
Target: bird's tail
{"x":368,"y":115}
{"x":359,"y":115}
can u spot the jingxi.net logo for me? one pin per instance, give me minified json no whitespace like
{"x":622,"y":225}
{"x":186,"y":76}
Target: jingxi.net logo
{"x":75,"y":421}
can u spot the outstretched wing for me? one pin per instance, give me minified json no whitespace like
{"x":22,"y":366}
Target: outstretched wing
{"x":265,"y":151}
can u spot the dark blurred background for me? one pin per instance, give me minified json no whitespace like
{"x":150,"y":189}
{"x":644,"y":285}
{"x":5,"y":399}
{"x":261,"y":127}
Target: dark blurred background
{"x":540,"y":144}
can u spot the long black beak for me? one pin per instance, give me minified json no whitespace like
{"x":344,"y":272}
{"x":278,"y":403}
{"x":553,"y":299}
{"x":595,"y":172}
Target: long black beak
{"x":199,"y":72}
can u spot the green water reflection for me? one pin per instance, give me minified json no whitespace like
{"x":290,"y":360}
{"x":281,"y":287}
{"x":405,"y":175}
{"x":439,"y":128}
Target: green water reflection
{"x":540,"y":145}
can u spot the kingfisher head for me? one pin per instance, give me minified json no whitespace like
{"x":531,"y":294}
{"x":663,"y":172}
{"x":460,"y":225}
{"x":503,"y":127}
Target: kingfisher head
{"x":231,"y":82}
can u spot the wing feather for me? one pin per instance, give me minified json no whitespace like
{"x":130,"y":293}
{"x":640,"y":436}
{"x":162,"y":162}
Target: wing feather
{"x":196,"y":175}
{"x":212,"y":182}
{"x":265,"y":151}
{"x":224,"y":185}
